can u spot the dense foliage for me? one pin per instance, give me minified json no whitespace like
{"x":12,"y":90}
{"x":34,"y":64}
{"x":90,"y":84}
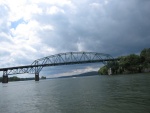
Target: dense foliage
{"x":103,"y":70}
{"x":43,"y":77}
{"x":129,"y":64}
{"x":145,"y":58}
{"x":14,"y":78}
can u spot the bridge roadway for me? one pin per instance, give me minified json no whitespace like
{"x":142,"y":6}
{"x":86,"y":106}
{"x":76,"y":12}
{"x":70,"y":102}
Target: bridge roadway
{"x":69,"y":58}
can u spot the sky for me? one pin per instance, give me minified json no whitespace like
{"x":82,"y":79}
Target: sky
{"x":32,"y":29}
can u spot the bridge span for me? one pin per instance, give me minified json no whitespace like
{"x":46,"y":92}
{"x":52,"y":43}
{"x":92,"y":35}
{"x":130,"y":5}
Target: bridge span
{"x":68,"y":58}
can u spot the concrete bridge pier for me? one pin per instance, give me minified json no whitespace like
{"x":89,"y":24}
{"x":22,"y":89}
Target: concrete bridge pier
{"x":5,"y":77}
{"x":36,"y":76}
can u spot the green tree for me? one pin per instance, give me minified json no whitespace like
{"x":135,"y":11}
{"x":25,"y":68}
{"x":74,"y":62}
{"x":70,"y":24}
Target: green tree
{"x":14,"y":78}
{"x":130,"y":63}
{"x":103,"y":70}
{"x":145,"y":58}
{"x":114,"y":65}
{"x":43,"y":77}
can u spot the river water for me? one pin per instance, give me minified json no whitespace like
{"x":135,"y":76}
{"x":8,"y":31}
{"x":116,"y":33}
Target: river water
{"x":95,"y":94}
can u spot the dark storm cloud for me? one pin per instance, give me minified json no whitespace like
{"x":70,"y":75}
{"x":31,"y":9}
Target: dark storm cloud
{"x":122,"y":28}
{"x":117,"y":27}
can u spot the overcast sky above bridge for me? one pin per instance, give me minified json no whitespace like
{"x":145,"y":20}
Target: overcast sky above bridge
{"x":32,"y":29}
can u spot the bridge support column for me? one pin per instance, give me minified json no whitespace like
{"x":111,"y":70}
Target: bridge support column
{"x":36,"y":76}
{"x":5,"y":77}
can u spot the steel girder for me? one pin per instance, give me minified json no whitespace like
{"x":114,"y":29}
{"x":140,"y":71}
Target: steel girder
{"x":60,"y":59}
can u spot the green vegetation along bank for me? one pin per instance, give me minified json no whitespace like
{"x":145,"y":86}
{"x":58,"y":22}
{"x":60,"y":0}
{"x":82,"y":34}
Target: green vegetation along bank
{"x":129,"y":64}
{"x":15,"y":78}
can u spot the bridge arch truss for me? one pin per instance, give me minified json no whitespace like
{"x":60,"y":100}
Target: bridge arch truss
{"x":68,"y":58}
{"x":72,"y":58}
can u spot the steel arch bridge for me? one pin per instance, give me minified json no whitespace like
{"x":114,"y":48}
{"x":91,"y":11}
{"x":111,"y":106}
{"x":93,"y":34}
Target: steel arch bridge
{"x":68,"y":58}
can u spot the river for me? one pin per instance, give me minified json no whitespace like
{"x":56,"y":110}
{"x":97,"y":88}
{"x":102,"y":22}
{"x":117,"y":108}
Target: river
{"x":95,"y":94}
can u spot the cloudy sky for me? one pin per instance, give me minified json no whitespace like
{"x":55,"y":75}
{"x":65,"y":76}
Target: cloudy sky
{"x":32,"y":29}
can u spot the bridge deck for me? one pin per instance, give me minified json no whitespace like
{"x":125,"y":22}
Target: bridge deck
{"x":54,"y":64}
{"x":56,"y":60}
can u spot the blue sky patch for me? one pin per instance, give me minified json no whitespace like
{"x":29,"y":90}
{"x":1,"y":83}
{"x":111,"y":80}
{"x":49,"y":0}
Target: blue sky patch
{"x":16,"y":23}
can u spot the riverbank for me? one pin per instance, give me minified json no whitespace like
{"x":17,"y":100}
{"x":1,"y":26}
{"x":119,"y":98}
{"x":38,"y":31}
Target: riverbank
{"x":15,"y":78}
{"x":129,"y":64}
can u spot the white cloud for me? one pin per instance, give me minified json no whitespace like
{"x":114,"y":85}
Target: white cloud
{"x":74,"y":72}
{"x":47,"y":27}
{"x":106,"y":1}
{"x":25,"y":30}
{"x":53,"y":2}
{"x":21,"y":9}
{"x":31,"y":10}
{"x":37,"y":28}
{"x":54,"y":10}
{"x":96,"y":5}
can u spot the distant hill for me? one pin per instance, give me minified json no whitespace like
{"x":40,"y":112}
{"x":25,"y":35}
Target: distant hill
{"x":81,"y":75}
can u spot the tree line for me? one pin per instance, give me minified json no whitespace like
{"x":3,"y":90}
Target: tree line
{"x":129,"y":64}
{"x":15,"y":78}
